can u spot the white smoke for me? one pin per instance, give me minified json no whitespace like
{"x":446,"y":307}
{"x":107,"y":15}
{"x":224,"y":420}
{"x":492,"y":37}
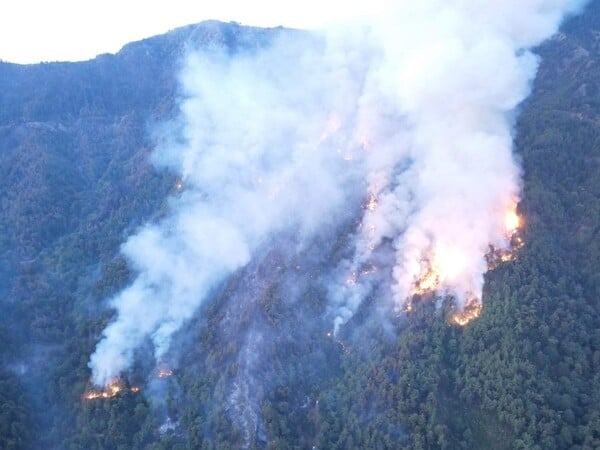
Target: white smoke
{"x":255,"y":161}
{"x":455,"y":71}
{"x":412,"y":110}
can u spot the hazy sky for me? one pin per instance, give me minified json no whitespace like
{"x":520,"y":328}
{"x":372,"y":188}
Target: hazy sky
{"x":59,"y":30}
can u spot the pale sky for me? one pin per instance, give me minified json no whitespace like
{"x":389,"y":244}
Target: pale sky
{"x":73,"y":30}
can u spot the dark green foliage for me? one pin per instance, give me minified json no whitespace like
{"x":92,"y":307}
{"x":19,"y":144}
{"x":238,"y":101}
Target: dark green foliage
{"x":15,"y":419}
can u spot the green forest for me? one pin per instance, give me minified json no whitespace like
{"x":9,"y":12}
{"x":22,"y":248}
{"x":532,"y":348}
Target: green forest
{"x":76,"y":180}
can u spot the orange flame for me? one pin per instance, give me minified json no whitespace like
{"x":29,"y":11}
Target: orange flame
{"x":512,"y":222}
{"x":471,"y":311}
{"x":427,"y":283}
{"x":445,"y":263}
{"x":112,"y":389}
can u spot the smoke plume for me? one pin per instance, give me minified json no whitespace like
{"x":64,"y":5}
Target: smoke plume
{"x":401,"y":124}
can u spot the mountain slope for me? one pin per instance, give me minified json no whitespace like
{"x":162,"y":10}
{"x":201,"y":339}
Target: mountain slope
{"x":257,"y":369}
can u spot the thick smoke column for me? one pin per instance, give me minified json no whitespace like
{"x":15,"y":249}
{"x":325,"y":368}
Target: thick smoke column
{"x":455,"y":72}
{"x":254,"y":162}
{"x":408,"y":115}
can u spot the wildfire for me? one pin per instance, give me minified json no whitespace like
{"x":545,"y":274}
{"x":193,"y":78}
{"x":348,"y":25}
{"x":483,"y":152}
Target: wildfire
{"x":331,"y":335}
{"x":372,"y":202}
{"x":517,"y":242}
{"x":164,"y":372}
{"x":471,"y":311}
{"x":112,"y":389}
{"x":446,"y":263}
{"x":354,"y":277}
{"x":512,"y":222}
{"x":427,"y":283}
{"x":512,"y":226}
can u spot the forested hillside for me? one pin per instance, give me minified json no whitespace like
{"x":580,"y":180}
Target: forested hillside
{"x":256,"y":367}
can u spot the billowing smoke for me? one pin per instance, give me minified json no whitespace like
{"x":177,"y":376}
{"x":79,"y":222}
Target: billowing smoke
{"x":255,"y":161}
{"x":402,"y":124}
{"x":444,"y":189}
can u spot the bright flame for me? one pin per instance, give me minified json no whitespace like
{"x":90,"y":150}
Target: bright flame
{"x":427,"y":283}
{"x":112,"y":389}
{"x":512,"y":222}
{"x":450,"y":262}
{"x":445,"y":264}
{"x":471,"y":311}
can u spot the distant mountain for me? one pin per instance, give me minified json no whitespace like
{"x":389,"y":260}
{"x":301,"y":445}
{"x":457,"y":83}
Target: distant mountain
{"x":76,"y":180}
